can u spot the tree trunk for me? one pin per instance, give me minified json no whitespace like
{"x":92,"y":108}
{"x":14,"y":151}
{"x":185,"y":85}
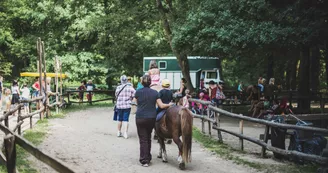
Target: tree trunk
{"x":326,"y":62}
{"x":270,"y":66}
{"x":220,"y":70}
{"x":184,"y":65}
{"x":288,"y":74}
{"x":181,"y":57}
{"x":293,"y":70}
{"x":315,"y":68}
{"x":304,"y":84}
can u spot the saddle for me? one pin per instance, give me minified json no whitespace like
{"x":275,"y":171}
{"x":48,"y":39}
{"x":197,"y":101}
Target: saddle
{"x":160,"y":115}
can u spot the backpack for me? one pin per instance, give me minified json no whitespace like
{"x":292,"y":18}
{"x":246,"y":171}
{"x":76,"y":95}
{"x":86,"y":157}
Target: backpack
{"x":220,"y":95}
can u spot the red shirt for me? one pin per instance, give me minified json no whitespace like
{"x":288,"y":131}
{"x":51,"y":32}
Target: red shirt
{"x":213,"y":92}
{"x":37,"y":85}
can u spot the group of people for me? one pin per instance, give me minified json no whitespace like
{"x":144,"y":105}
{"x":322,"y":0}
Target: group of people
{"x":264,"y":102}
{"x":86,"y":86}
{"x":152,"y":96}
{"x":213,"y":93}
{"x":9,"y":97}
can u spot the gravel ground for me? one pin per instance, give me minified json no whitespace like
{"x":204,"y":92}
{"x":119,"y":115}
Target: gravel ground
{"x":86,"y":141}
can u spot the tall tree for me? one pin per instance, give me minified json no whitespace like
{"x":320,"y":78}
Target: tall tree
{"x":168,"y":14}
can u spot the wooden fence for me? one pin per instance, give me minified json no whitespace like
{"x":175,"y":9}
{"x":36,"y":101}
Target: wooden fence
{"x":214,"y":123}
{"x":69,"y":93}
{"x":12,"y":139}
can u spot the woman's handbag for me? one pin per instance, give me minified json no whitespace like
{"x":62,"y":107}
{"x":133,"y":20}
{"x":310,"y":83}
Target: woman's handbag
{"x":115,"y":109}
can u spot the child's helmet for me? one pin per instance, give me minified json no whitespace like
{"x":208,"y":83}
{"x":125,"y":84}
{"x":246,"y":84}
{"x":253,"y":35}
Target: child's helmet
{"x":165,"y":83}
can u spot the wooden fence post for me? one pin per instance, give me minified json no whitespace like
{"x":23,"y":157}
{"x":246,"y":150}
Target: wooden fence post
{"x":266,"y":138}
{"x":68,"y":101}
{"x":18,"y":119}
{"x":56,"y":82}
{"x":31,"y":123}
{"x":322,"y":103}
{"x":241,"y":131}
{"x":10,"y":148}
{"x":39,"y":49}
{"x":209,"y":123}
{"x":6,"y":120}
{"x":217,"y":115}
{"x":203,"y":121}
{"x":29,"y":108}
{"x":290,"y":98}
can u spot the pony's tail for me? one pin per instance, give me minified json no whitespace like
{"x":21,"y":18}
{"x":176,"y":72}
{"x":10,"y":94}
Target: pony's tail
{"x":186,"y":129}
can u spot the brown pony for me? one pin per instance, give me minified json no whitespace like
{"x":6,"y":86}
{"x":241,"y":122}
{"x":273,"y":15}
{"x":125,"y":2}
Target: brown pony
{"x":176,"y":122}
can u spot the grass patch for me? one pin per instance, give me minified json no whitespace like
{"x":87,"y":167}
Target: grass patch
{"x":35,"y":136}
{"x":229,"y":153}
{"x":76,"y":107}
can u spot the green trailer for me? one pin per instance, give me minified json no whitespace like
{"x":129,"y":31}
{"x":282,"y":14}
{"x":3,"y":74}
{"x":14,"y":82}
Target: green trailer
{"x":200,"y":67}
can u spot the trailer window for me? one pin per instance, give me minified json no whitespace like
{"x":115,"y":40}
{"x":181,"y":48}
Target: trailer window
{"x":162,"y":64}
{"x":212,"y":75}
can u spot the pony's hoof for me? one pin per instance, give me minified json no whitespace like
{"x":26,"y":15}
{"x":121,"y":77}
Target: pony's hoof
{"x":159,"y":156}
{"x":164,"y":161}
{"x":182,"y":166}
{"x":169,"y":141}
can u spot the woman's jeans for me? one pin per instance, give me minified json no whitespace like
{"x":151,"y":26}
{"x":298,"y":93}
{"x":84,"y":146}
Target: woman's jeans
{"x":144,"y":128}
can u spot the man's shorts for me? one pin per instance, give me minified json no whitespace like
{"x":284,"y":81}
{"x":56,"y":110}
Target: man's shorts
{"x":89,"y":96}
{"x":123,"y":114}
{"x":35,"y":94}
{"x":25,"y":104}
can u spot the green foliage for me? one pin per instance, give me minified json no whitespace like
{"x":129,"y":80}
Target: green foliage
{"x":94,"y":39}
{"x":101,"y":40}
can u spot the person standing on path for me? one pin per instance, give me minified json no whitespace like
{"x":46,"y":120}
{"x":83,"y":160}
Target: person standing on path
{"x":25,"y":96}
{"x":124,"y":94}
{"x":36,"y":87}
{"x":15,"y":94}
{"x":139,"y":86}
{"x":81,"y":90}
{"x":212,"y":92}
{"x":146,"y":99}
{"x":90,"y":87}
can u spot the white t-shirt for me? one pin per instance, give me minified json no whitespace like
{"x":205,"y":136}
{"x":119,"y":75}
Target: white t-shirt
{"x":14,"y":89}
{"x":25,"y":93}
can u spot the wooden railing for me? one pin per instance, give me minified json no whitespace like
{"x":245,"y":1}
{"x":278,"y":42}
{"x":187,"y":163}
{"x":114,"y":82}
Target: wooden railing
{"x":69,"y":93}
{"x":12,"y":139}
{"x":214,"y":123}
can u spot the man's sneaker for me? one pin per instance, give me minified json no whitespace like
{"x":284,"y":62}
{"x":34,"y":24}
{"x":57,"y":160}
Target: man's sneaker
{"x":119,"y":134}
{"x":145,"y":165}
{"x":125,"y":135}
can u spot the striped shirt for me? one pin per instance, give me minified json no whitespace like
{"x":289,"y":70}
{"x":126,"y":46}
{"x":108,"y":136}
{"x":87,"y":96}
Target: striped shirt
{"x":126,"y":95}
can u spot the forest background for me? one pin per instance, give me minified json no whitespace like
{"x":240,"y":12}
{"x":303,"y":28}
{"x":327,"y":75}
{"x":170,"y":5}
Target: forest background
{"x":101,"y":39}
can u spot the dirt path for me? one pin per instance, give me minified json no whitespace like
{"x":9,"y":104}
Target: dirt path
{"x":86,"y":141}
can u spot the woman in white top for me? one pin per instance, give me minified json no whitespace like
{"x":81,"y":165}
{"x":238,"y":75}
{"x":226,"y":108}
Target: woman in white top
{"x":15,"y":93}
{"x":25,"y":96}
